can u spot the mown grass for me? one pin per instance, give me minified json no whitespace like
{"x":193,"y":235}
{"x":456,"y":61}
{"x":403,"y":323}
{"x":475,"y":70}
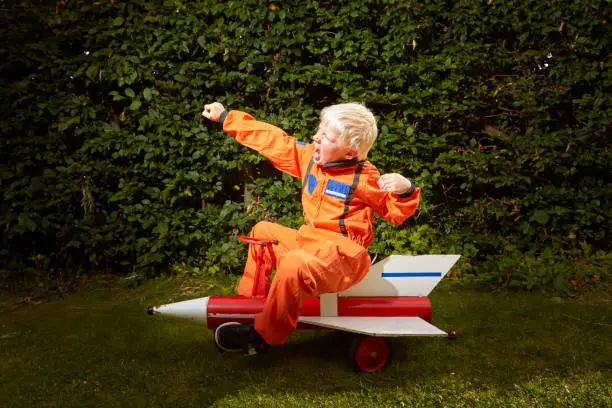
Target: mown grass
{"x":98,"y":348}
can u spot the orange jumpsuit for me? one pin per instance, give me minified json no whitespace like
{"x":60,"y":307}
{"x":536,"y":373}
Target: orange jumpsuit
{"x":328,"y":253}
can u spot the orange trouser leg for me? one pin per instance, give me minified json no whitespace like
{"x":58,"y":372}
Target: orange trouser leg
{"x":303,"y":273}
{"x":287,"y":241}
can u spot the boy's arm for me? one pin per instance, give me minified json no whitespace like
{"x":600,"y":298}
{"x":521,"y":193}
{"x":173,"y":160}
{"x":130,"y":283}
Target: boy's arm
{"x":391,"y":196}
{"x":285,"y":152}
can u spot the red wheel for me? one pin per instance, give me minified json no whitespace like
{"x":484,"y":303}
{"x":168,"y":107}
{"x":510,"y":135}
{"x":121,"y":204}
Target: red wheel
{"x":370,"y":353}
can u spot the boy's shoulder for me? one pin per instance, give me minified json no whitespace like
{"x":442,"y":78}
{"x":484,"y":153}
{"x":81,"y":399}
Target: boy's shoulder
{"x":369,"y":169}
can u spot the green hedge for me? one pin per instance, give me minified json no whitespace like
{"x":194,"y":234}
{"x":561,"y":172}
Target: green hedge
{"x":499,"y":110}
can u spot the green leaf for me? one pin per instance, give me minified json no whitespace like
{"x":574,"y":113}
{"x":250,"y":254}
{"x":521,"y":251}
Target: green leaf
{"x":66,"y":122}
{"x":116,"y":96}
{"x":130,"y":93}
{"x":135,"y":105}
{"x":25,"y":221}
{"x":147,"y":94}
{"x":540,"y":216}
{"x":161,"y":228}
{"x":92,"y":71}
{"x":118,"y":21}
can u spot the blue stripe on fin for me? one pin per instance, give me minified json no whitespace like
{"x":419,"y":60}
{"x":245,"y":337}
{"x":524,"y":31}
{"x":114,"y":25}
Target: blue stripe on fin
{"x":411,"y":274}
{"x":297,"y":142}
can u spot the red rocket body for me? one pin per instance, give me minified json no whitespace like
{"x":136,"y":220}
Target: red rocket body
{"x":216,"y":310}
{"x":223,"y":309}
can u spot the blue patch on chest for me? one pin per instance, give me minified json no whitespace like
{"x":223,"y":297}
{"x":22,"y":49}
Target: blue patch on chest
{"x":312,"y":183}
{"x":337,"y":189}
{"x":300,"y":143}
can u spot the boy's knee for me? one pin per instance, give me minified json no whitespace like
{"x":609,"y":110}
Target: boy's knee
{"x":260,"y":227}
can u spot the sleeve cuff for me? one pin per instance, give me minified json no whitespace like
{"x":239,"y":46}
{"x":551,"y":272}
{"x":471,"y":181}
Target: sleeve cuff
{"x":409,"y":192}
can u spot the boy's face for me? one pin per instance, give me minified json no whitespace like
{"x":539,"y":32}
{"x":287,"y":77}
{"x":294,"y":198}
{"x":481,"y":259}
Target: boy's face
{"x":329,"y":147}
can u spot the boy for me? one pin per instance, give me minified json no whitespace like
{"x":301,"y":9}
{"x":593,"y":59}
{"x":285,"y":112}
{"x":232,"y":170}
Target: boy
{"x":340,"y":192}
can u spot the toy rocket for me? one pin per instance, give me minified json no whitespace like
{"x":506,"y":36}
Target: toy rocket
{"x":391,"y":301}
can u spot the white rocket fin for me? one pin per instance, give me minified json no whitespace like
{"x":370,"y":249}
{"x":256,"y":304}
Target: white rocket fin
{"x":376,"y":326}
{"x":403,"y":275}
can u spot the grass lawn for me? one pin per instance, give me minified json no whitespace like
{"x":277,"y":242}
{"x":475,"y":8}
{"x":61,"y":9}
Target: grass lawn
{"x":98,"y":348}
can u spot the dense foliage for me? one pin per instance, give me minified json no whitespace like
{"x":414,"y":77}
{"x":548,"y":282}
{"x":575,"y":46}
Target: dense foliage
{"x":499,"y":110}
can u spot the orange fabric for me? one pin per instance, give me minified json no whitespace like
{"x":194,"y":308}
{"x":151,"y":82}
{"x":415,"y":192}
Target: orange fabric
{"x":327,"y":254}
{"x":309,"y":262}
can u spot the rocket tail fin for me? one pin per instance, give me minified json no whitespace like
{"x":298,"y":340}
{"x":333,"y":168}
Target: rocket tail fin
{"x":403,"y":275}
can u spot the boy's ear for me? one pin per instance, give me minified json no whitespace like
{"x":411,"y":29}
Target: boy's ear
{"x":352,"y":153}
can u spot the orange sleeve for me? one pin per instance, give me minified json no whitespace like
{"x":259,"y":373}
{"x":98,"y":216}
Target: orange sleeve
{"x":285,"y":152}
{"x":392,"y":207}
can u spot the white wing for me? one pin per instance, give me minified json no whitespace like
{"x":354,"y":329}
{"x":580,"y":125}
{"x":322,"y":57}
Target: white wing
{"x":376,"y":326}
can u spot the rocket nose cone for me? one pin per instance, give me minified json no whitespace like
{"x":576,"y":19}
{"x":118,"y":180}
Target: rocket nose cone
{"x":194,"y":309}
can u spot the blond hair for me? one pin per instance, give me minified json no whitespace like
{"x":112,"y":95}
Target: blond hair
{"x":355,"y":124}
